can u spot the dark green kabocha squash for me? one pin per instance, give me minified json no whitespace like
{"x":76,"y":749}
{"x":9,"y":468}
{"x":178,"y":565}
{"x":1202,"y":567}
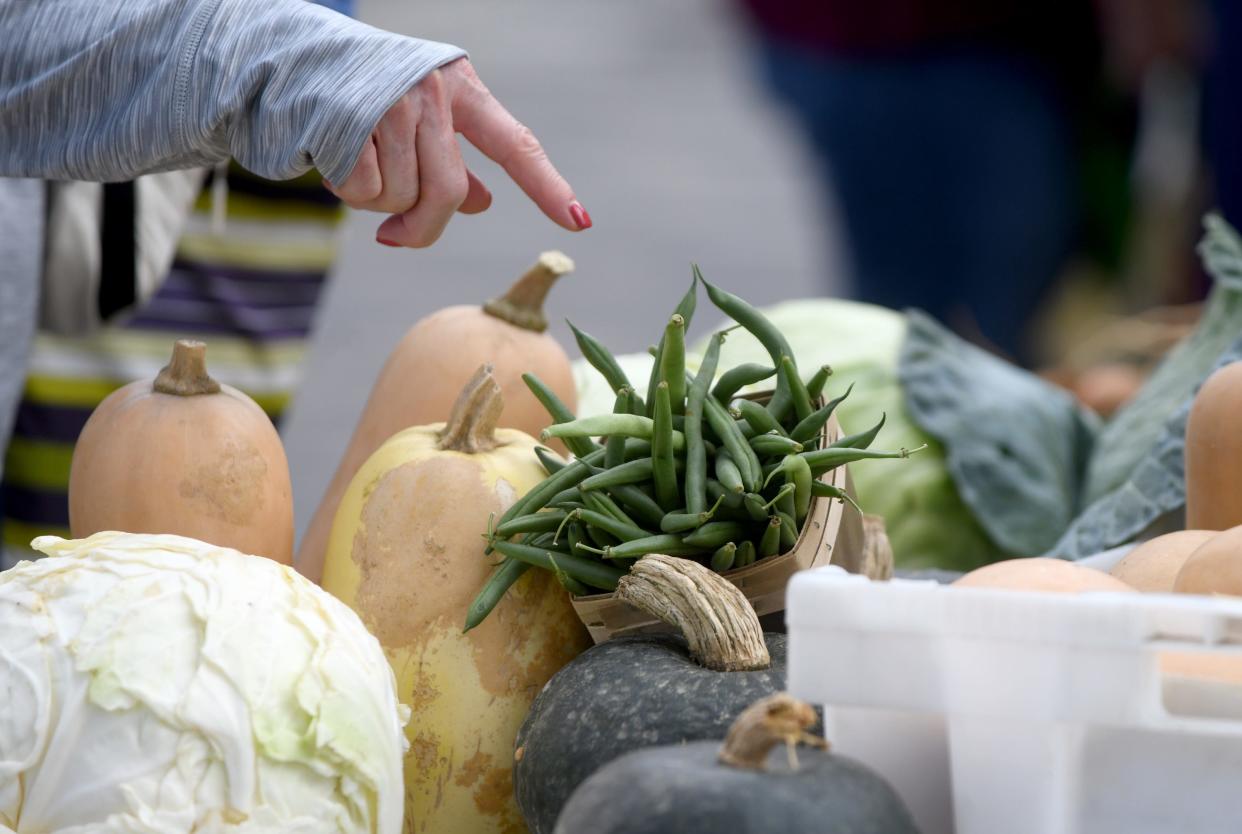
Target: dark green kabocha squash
{"x":744,"y":786}
{"x":646,"y":690}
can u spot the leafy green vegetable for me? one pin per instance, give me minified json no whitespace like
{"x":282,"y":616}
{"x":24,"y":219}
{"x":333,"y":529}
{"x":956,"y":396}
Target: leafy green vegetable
{"x":1137,"y":473}
{"x":1017,"y":446}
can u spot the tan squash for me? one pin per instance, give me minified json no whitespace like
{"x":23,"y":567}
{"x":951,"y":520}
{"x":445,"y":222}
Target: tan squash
{"x":1214,"y":453}
{"x":184,"y":454}
{"x":1215,"y":567}
{"x":436,"y":357}
{"x":406,"y":553}
{"x":1152,"y":567}
{"x":1040,"y":574}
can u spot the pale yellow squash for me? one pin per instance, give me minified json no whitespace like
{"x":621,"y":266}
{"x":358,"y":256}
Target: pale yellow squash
{"x":406,"y":553}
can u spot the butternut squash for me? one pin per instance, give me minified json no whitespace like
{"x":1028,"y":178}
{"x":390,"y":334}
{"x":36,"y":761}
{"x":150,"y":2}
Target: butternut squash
{"x":434,"y":359}
{"x":1214,"y":453}
{"x":406,"y":553}
{"x":184,"y":454}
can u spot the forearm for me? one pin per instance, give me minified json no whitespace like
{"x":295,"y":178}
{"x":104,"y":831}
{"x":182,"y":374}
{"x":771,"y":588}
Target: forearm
{"x":108,"y":90}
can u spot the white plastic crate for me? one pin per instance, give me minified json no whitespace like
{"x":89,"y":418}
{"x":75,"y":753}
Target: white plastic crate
{"x":1001,"y":712}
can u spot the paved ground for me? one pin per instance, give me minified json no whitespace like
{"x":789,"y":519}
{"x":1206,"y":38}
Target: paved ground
{"x":651,"y":110}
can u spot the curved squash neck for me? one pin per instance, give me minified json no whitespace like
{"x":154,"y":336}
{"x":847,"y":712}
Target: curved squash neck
{"x":186,"y":374}
{"x":719,"y":623}
{"x":471,"y":427}
{"x":522,"y":305}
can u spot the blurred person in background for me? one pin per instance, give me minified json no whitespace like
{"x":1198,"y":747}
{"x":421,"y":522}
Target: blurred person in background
{"x":945,"y":132}
{"x":110,"y":92}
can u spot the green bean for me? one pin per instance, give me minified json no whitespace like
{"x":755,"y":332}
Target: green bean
{"x":747,"y":430}
{"x":630,"y":425}
{"x":510,"y":570}
{"x":630,"y":472}
{"x":774,"y":444}
{"x":737,"y":378}
{"x":825,"y":490}
{"x":669,"y":545}
{"x":663,"y":466}
{"x":537,"y":498}
{"x":622,"y":531}
{"x":799,"y":475}
{"x":568,"y":582}
{"x":715,"y":533}
{"x":717,"y":491}
{"x":745,"y":554}
{"x":731,"y":437}
{"x":682,"y":522}
{"x":696,"y":446}
{"x":601,"y":359}
{"x":600,"y":536}
{"x":815,"y":385}
{"x":728,"y":474}
{"x":573,"y":495}
{"x":780,"y":404}
{"x":574,"y":534}
{"x":654,"y":378}
{"x":723,"y":558}
{"x":552,"y":462}
{"x":770,"y":543}
{"x":810,"y":428}
{"x":824,"y":459}
{"x":560,"y":413}
{"x":540,"y":522}
{"x":643,"y":509}
{"x":602,"y":502}
{"x":861,"y":440}
{"x":635,"y":448}
{"x":590,"y":571}
{"x":673,"y":362}
{"x":685,"y":307}
{"x":614,"y":448}
{"x":797,"y":389}
{"x":789,"y":531}
{"x":755,"y":507}
{"x":758,"y":418}
{"x":749,"y":317}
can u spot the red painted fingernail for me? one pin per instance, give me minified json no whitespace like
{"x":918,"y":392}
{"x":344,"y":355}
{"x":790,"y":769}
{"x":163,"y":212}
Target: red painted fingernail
{"x":386,"y":242}
{"x":580,"y":216}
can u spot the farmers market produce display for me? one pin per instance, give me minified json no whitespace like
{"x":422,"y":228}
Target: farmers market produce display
{"x":159,"y":684}
{"x":425,"y":371}
{"x":689,"y":470}
{"x":404,"y":552}
{"x":184,"y":454}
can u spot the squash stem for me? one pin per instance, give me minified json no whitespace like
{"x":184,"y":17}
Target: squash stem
{"x":775,"y":719}
{"x":522,"y":305}
{"x":719,"y":623}
{"x":471,"y":427}
{"x":186,"y":374}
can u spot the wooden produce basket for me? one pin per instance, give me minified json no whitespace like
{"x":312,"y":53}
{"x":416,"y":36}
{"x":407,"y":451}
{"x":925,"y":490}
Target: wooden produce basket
{"x":834,"y":533}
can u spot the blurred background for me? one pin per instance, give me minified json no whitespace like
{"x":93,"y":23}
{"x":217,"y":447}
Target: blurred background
{"x":1032,"y":174}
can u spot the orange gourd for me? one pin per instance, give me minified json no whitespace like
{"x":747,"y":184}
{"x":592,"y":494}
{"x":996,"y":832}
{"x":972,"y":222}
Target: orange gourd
{"x":1214,"y":453}
{"x":184,"y":454}
{"x":433,"y":362}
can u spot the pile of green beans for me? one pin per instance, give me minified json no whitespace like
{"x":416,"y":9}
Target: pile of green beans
{"x":690,"y":470}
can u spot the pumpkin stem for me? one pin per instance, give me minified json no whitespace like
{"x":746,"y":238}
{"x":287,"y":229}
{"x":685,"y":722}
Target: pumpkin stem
{"x":522,"y":305}
{"x":186,"y":374}
{"x":718,"y":622}
{"x":775,"y":719}
{"x":471,"y":427}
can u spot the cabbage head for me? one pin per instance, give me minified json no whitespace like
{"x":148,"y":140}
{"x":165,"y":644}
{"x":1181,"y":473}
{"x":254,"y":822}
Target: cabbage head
{"x":156,"y":684}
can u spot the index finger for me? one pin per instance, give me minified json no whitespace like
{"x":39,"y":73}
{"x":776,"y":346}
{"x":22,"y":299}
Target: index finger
{"x":492,"y":129}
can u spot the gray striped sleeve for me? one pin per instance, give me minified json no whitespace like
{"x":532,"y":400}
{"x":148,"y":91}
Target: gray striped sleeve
{"x":109,"y":89}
